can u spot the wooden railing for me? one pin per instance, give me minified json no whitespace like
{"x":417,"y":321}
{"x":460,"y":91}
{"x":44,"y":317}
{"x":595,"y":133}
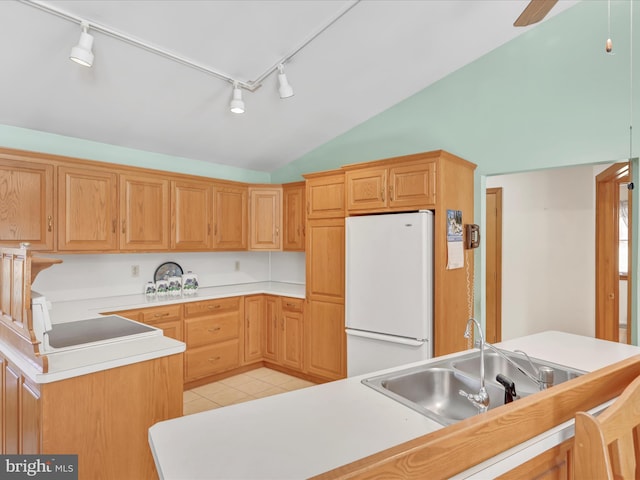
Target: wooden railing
{"x":454,"y":449}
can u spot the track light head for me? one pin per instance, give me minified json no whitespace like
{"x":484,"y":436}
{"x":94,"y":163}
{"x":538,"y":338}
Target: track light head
{"x":236,"y":105}
{"x":284,"y":89}
{"x":82,"y":53}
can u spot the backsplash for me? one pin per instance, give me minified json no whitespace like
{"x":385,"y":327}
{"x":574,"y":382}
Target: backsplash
{"x":105,"y":275}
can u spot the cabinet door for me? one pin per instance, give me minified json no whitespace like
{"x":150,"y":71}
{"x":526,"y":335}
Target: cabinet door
{"x":413,"y":185}
{"x":26,"y":204}
{"x":254,"y":318}
{"x":366,"y":189}
{"x":325,"y":352}
{"x":30,"y":421}
{"x":265,"y":218}
{"x":292,"y":338}
{"x":230,"y":213}
{"x":325,"y":196}
{"x":293,"y":217}
{"x":190,"y":215}
{"x":325,"y":259}
{"x":270,"y":330}
{"x":11,"y":410}
{"x":87,"y":209}
{"x":144,"y":213}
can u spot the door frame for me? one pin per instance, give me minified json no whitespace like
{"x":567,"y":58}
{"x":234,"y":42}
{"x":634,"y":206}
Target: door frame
{"x":607,"y":244}
{"x":493,"y":283}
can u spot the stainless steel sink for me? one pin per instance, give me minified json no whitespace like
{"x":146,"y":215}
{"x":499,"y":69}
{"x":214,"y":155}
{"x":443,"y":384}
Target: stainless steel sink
{"x":434,"y":392}
{"x":495,"y":364}
{"x":433,"y":389}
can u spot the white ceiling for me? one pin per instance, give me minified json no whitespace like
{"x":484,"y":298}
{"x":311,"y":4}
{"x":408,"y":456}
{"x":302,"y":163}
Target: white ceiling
{"x":379,"y":53}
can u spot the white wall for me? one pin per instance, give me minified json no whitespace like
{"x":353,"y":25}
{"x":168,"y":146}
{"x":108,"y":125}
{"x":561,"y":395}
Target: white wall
{"x":91,"y":276}
{"x":548,"y":258}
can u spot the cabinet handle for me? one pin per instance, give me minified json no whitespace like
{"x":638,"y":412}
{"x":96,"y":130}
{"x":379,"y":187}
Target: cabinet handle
{"x":289,"y":304}
{"x":390,"y":192}
{"x":208,"y":229}
{"x":124,"y":230}
{"x":50,"y":223}
{"x":307,"y":207}
{"x":214,"y":359}
{"x":158,"y":315}
{"x":213,"y":307}
{"x":277,"y":231}
{"x":282,"y":323}
{"x":113,"y":226}
{"x":215,"y":229}
{"x":214,"y":329}
{"x":382,"y":193}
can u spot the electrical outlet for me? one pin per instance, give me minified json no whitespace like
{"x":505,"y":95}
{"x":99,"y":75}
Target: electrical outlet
{"x":135,"y":270}
{"x":237,"y":265}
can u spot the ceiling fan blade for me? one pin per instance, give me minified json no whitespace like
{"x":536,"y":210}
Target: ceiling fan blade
{"x":534,"y":12}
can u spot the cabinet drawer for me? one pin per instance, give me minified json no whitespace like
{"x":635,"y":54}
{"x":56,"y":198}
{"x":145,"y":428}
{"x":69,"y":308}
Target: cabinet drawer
{"x":194,"y":309}
{"x":161,"y":314}
{"x":292,"y":304}
{"x":209,"y":360}
{"x":214,"y":328}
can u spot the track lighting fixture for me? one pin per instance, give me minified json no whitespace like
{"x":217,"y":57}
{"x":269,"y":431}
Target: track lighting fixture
{"x":284,"y":89}
{"x":236,"y":105}
{"x":82,"y":53}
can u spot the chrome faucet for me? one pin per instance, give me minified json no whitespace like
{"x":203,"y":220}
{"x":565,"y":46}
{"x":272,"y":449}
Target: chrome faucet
{"x":542,"y":376}
{"x":481,"y":399}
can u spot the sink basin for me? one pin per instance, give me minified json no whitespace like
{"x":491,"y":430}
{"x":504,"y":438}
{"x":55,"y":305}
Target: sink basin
{"x":432,"y":389}
{"x":434,"y":392}
{"x":495,"y":364}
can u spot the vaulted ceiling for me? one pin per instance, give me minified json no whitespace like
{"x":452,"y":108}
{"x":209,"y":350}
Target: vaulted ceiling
{"x":375,"y":54}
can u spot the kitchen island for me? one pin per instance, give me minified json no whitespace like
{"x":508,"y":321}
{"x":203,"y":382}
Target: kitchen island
{"x":307,"y":432}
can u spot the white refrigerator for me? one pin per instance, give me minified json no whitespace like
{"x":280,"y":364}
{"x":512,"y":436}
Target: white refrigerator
{"x":389,"y":290}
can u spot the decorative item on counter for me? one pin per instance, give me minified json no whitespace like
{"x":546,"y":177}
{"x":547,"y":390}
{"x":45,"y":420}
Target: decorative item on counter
{"x":162,"y":288}
{"x":189,"y":283}
{"x":150,"y":289}
{"x":166,"y":270}
{"x":175,"y":285}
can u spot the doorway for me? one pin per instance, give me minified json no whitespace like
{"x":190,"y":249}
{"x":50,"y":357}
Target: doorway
{"x":613,"y":215}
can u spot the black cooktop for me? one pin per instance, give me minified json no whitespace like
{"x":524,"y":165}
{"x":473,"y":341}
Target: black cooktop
{"x":94,"y":330}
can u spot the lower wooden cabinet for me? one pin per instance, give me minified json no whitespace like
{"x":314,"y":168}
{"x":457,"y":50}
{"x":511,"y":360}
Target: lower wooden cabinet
{"x":325,"y":342}
{"x":292,"y":333}
{"x":212,"y":335}
{"x":254,"y":318}
{"x":270,"y":332}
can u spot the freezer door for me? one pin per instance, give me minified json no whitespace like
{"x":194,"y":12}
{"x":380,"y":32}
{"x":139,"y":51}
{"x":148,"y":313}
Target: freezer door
{"x":389,"y":274}
{"x":367,"y":353}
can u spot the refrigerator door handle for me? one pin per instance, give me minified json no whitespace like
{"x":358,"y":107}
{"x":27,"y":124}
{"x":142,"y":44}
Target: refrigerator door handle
{"x":385,"y":338}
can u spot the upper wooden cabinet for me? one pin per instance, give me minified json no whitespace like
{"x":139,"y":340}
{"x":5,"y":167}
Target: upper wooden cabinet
{"x":191,"y":217}
{"x":26,"y":203}
{"x":265,"y":218}
{"x":404,"y":183}
{"x":293,"y":208}
{"x":87,"y":209}
{"x":325,"y":194}
{"x":230,"y":207}
{"x":144,"y":207}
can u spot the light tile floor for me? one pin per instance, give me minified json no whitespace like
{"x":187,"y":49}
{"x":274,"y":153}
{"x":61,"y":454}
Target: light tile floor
{"x":258,"y":383}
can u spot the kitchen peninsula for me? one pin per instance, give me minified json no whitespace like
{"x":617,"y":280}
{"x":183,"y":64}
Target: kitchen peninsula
{"x":308,"y":432}
{"x":92,"y":399}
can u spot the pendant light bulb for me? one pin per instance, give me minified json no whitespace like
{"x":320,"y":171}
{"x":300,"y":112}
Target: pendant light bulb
{"x":609,"y":46}
{"x":82,"y":53}
{"x":236,"y":105}
{"x":284,"y":89}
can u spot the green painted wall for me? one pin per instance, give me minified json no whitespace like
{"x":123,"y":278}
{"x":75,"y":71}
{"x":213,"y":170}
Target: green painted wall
{"x":24,"y":139}
{"x":551,"y":97}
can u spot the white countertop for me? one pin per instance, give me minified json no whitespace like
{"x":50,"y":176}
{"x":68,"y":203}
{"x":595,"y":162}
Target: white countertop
{"x":74,"y":310}
{"x":306,"y":432}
